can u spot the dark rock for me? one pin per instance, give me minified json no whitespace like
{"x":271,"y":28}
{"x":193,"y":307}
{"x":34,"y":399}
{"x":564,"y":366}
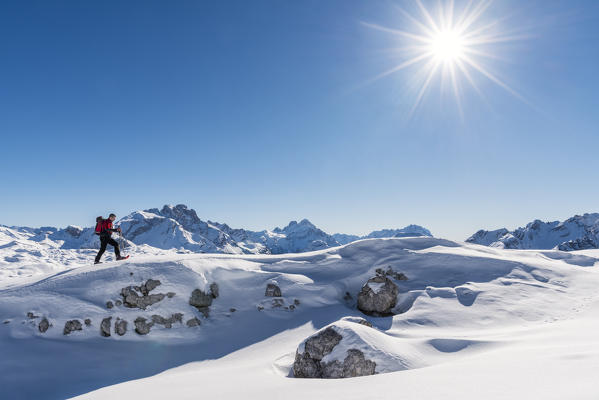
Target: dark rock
{"x":276,"y":303}
{"x":296,"y":302}
{"x":109,"y":304}
{"x":71,"y":326}
{"x":105,"y":327}
{"x":170,"y":295}
{"x":130,"y":273}
{"x":30,"y":315}
{"x":88,"y":322}
{"x":141,"y":327}
{"x":348,"y":297}
{"x":232,"y":309}
{"x":201,"y":301}
{"x":43,"y":325}
{"x":118,"y":303}
{"x":150,"y":285}
{"x":132,"y":299}
{"x":6,"y":321}
{"x":273,"y":290}
{"x":292,"y":307}
{"x":309,"y":363}
{"x":193,"y":322}
{"x":214,"y":290}
{"x":167,"y":322}
{"x":378,"y":296}
{"x":390,"y":272}
{"x":120,"y":327}
{"x":260,"y":308}
{"x":354,"y":364}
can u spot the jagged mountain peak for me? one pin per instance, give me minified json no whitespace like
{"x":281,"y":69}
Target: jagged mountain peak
{"x":575,"y":233}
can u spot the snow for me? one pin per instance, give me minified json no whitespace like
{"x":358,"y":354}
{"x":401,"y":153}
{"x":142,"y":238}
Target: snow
{"x":476,"y":322}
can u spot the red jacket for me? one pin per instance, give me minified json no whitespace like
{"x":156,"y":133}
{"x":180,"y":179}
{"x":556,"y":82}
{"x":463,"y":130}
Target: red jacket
{"x":107,"y":228}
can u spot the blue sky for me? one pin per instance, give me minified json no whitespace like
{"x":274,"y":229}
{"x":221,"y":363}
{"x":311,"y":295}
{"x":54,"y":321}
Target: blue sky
{"x":256,"y":113}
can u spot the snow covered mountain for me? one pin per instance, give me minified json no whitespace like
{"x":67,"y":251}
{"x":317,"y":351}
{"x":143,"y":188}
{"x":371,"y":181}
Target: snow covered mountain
{"x":577,"y":233}
{"x":179,"y":227}
{"x":408,"y":231}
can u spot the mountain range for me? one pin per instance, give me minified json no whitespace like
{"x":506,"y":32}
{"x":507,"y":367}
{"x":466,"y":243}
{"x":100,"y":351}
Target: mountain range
{"x":179,"y":227}
{"x":579,"y":232}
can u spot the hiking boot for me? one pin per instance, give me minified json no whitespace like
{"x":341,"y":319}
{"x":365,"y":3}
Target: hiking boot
{"x":97,"y":262}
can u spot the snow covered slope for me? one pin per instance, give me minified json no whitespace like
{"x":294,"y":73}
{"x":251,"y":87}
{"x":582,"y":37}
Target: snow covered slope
{"x":577,"y":233}
{"x":471,"y":322}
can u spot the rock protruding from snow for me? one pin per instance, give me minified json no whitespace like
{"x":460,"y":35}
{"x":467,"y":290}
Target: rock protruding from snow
{"x":202,"y":300}
{"x":580,"y":232}
{"x":71,"y":326}
{"x":141,"y":326}
{"x":400,"y":276}
{"x":272,"y":290}
{"x":105,"y":327}
{"x":120,"y":327}
{"x":378,"y":296}
{"x":140,"y":297}
{"x":167,"y":322}
{"x":193,"y":322}
{"x":310,"y":358}
{"x":43,"y":325}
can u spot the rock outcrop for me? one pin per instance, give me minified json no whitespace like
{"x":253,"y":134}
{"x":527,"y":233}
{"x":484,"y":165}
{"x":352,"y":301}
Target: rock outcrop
{"x":71,"y":326}
{"x":44,"y":325}
{"x":140,"y":297}
{"x":167,"y":322}
{"x":120,"y":327}
{"x":202,"y":300}
{"x":378,"y":296}
{"x":310,"y":363}
{"x":141,"y":326}
{"x":273,"y":290}
{"x":105,"y":327}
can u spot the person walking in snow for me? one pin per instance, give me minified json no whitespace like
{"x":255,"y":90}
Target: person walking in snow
{"x":106,"y":229}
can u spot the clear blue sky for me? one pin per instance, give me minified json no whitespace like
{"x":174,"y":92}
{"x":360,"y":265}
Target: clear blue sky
{"x":258,"y":112}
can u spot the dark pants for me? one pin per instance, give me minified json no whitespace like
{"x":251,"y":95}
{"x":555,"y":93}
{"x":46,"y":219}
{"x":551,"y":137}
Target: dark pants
{"x":107,"y":240}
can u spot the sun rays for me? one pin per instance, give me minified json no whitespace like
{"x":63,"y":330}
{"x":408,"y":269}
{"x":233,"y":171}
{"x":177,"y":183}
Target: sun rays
{"x":453,"y":45}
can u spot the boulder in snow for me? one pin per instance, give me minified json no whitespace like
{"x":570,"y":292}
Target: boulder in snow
{"x":140,"y":297}
{"x":310,"y":358}
{"x":105,"y":327}
{"x":378,"y":296}
{"x":120,"y":327}
{"x":43,"y":325}
{"x":272,"y":290}
{"x":141,"y":326}
{"x":71,"y":326}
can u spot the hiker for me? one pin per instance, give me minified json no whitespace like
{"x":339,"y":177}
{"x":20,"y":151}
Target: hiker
{"x":104,"y":229}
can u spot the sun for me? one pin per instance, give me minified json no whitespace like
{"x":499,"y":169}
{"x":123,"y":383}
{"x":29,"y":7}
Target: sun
{"x":447,"y":46}
{"x":453,"y":45}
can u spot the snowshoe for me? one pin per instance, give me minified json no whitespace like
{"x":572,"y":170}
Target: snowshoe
{"x":122,"y":258}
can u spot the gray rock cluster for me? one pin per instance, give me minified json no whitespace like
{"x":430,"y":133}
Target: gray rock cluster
{"x":140,"y":297}
{"x":400,"y":276}
{"x":378,"y":296}
{"x":167,"y":322}
{"x":71,"y":326}
{"x":309,"y":364}
{"x":202,"y":300}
